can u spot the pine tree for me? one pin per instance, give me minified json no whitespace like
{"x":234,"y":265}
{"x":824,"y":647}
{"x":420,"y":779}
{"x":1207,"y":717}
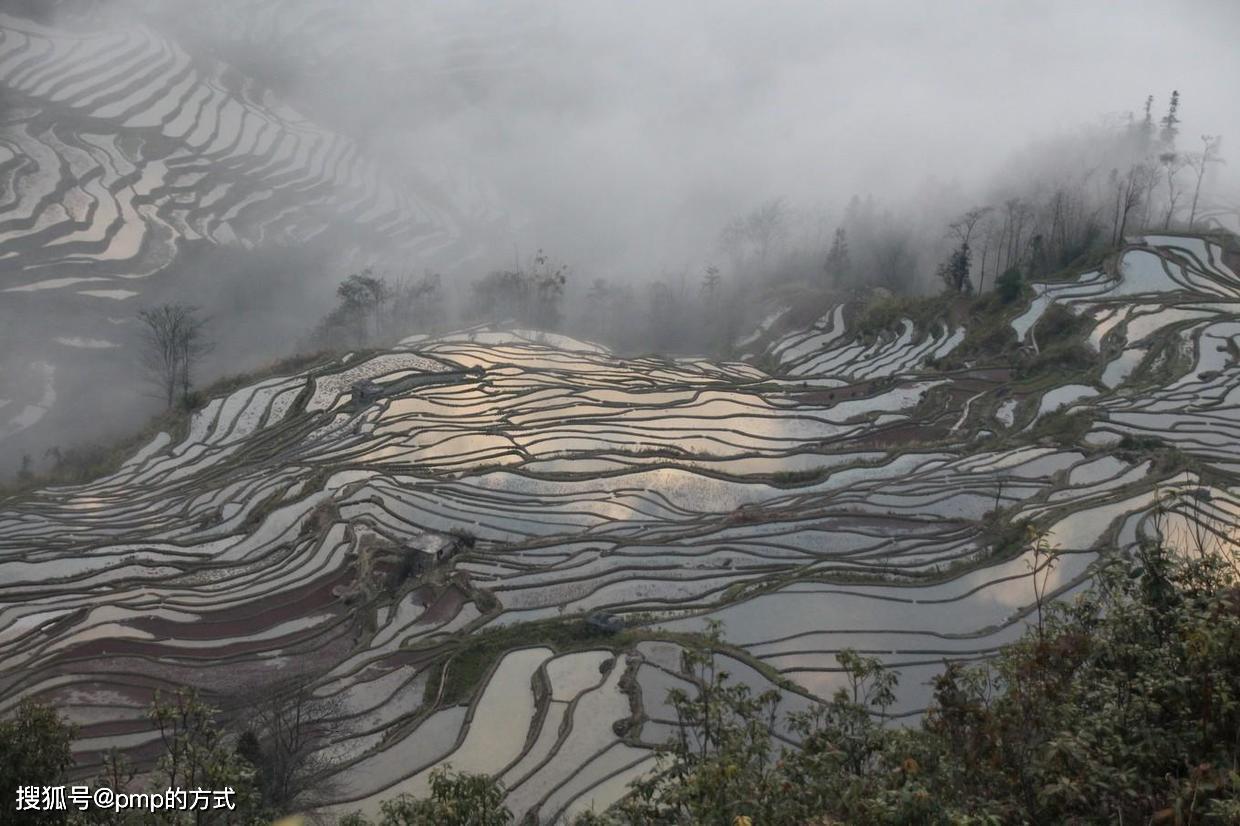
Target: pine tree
{"x":1147,"y":123}
{"x":710,"y":283}
{"x":1170,"y":122}
{"x":838,"y":264}
{"x":955,"y":270}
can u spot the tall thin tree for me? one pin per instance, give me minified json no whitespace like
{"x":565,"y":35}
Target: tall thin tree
{"x":1200,"y":162}
{"x":173,"y":342}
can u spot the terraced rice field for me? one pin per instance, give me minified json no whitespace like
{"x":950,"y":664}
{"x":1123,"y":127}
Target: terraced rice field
{"x":118,"y":148}
{"x":128,"y":145}
{"x":854,"y":498}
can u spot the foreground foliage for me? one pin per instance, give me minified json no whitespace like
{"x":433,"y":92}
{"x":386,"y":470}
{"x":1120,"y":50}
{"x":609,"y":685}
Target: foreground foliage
{"x":1122,"y":706}
{"x":34,"y":750}
{"x":197,"y":754}
{"x":456,"y":799}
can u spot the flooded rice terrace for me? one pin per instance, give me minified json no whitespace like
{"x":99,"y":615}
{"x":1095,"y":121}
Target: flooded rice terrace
{"x":582,"y":511}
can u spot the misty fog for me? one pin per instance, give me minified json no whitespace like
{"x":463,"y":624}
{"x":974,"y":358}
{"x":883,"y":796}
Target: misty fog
{"x":620,"y":139}
{"x":622,"y":135}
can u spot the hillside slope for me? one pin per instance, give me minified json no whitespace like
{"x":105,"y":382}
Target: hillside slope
{"x":423,"y":532}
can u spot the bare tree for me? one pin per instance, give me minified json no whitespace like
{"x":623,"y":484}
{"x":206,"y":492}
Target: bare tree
{"x":767,"y":226}
{"x":962,"y":228}
{"x":990,"y":236}
{"x":955,"y":270}
{"x":1200,"y":161}
{"x":1128,"y":195}
{"x":173,"y":343}
{"x":288,"y":729}
{"x":1058,"y":215}
{"x":757,"y":233}
{"x":1016,"y":212}
{"x":416,"y":305}
{"x":1041,"y":566}
{"x":1172,"y":163}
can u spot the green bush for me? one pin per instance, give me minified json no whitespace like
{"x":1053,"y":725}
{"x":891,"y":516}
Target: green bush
{"x":1057,"y":324}
{"x":456,"y":799}
{"x":1063,"y":427}
{"x":1059,"y":359}
{"x":1009,"y":286}
{"x":34,"y":751}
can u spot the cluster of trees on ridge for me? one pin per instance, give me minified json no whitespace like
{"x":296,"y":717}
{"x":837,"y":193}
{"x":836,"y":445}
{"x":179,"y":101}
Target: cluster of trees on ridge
{"x":1061,"y":203}
{"x":1153,"y":185}
{"x":1119,"y":706}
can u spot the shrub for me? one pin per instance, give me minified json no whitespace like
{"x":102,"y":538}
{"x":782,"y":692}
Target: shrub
{"x":1009,"y":286}
{"x":34,"y":751}
{"x":1060,"y":359}
{"x":1063,"y":427}
{"x":456,"y":799}
{"x":1057,"y":324}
